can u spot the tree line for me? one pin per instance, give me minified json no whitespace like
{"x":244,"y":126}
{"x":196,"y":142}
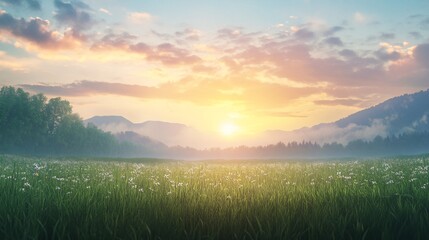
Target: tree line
{"x":32,"y":124}
{"x":402,"y":144}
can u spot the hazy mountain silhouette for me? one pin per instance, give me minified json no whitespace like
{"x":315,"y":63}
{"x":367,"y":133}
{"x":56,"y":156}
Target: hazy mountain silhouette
{"x":404,"y":114}
{"x":116,"y":124}
{"x":168,"y":133}
{"x":109,"y":120}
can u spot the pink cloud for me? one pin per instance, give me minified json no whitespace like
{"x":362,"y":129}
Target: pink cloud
{"x":35,"y":31}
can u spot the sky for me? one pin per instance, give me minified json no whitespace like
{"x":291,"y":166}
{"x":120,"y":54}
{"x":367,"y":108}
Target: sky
{"x":228,"y":67}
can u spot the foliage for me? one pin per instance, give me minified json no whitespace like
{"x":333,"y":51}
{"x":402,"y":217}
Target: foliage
{"x":87,"y":199}
{"x":32,"y":124}
{"x":403,"y":144}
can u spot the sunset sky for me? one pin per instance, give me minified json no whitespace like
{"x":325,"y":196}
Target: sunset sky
{"x":220,"y":66}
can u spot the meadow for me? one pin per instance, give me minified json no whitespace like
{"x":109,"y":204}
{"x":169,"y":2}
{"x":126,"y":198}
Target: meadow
{"x":44,"y":198}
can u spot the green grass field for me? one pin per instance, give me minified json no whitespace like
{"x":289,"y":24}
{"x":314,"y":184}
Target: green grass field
{"x":150,"y":199}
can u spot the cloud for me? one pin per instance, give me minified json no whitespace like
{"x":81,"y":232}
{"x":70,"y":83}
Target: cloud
{"x":387,"y":36}
{"x":189,"y":34}
{"x":236,"y":36}
{"x":329,"y":133}
{"x":359,"y":93}
{"x":306,"y":63}
{"x":87,"y":88}
{"x":421,"y":54}
{"x":34,"y":30}
{"x":331,"y":31}
{"x":113,"y":41}
{"x":166,"y":53}
{"x":201,"y":68}
{"x":282,"y":114}
{"x":14,"y":64}
{"x":105,"y":11}
{"x":421,"y":20}
{"x":229,"y":33}
{"x":338,"y":102}
{"x":163,"y":36}
{"x":139,"y":17}
{"x":288,"y":60}
{"x":207,"y":91}
{"x":334,"y":41}
{"x":360,"y":17}
{"x":171,"y":55}
{"x":416,"y":35}
{"x":385,"y":55}
{"x":141,"y":48}
{"x":348,"y":54}
{"x":304,"y":34}
{"x":32,"y":4}
{"x":75,"y":14}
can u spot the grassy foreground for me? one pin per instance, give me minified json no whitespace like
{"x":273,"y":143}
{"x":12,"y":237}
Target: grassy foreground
{"x":84,"y":199}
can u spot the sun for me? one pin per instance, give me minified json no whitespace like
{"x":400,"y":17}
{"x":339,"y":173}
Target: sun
{"x":228,"y":129}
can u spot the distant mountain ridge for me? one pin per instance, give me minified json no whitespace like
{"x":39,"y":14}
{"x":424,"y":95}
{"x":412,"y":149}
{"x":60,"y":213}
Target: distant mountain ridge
{"x":107,"y":120}
{"x":403,"y":114}
{"x":159,"y":131}
{"x":406,"y":113}
{"x":119,"y":121}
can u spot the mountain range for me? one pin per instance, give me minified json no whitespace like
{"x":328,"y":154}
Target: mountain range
{"x":151,"y":132}
{"x":403,"y":114}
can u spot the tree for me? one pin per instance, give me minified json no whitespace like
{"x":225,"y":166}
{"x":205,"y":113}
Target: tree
{"x":56,"y":111}
{"x":15,"y":117}
{"x":34,"y":125}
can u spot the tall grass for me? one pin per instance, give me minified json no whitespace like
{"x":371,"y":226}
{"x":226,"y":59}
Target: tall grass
{"x":69,"y":199}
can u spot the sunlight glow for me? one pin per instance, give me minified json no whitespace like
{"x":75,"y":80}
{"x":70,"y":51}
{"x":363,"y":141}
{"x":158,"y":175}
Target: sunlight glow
{"x":228,"y":129}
